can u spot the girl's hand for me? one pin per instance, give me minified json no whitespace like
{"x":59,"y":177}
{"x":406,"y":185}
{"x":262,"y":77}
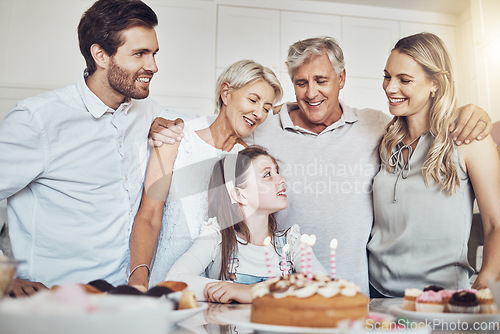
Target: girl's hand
{"x":227,"y":292}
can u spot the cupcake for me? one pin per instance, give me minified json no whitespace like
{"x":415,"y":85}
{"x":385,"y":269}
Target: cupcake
{"x":410,"y":299}
{"x":429,"y":301}
{"x":446,"y":294}
{"x":434,"y":288}
{"x":485,"y":300}
{"x":463,"y":302}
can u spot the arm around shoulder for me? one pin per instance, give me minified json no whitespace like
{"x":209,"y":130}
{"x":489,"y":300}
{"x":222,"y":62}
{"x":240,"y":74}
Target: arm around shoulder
{"x":148,"y":220}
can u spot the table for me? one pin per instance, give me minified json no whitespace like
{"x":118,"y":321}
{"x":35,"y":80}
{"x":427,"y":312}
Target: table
{"x":207,"y":321}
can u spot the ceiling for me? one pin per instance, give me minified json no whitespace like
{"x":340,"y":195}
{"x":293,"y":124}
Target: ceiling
{"x":452,"y":7}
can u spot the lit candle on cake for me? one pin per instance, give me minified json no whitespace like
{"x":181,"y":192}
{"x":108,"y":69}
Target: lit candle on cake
{"x":283,"y":260}
{"x":303,"y":241}
{"x":333,"y":248}
{"x":267,"y":241}
{"x":310,"y":243}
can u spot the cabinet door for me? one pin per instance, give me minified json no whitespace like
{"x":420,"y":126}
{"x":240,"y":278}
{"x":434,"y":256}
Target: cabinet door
{"x":248,"y":33}
{"x":185,"y":80}
{"x":39,"y":43}
{"x":296,"y":26}
{"x":446,"y":33}
{"x":485,"y":14}
{"x":185,"y":34}
{"x":366,"y":44}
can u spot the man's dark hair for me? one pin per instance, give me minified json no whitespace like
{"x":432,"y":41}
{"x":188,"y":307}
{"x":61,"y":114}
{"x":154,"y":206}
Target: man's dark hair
{"x":104,"y":22}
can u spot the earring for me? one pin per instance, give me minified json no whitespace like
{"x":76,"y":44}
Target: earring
{"x":433,"y":93}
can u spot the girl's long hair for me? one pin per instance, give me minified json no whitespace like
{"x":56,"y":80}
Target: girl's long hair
{"x":229,"y":215}
{"x":430,"y":53}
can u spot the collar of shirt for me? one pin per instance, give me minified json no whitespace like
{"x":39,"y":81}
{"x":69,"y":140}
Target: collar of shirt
{"x":348,"y":117}
{"x":94,"y":105}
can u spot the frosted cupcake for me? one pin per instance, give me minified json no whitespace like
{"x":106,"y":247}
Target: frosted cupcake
{"x":485,"y":300}
{"x":434,"y":288}
{"x":446,"y":294}
{"x":410,"y":298}
{"x":430,"y":301}
{"x":463,"y":302}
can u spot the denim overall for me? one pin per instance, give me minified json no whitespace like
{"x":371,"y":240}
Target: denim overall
{"x":251,"y":279}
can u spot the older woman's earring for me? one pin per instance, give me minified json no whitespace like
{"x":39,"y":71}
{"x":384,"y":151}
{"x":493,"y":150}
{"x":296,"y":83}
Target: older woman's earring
{"x":433,"y":93}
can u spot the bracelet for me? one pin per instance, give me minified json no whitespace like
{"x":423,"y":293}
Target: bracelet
{"x":137,"y":267}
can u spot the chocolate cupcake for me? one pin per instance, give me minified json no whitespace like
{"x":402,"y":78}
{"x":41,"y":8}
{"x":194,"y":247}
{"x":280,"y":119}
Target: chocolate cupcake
{"x":434,"y":288}
{"x":463,"y":302}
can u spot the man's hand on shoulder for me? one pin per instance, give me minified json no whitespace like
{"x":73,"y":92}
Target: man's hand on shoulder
{"x":165,"y":131}
{"x":472,"y":123}
{"x":22,"y":288}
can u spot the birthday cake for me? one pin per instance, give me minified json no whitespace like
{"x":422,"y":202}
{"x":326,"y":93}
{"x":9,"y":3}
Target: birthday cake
{"x":299,"y":301}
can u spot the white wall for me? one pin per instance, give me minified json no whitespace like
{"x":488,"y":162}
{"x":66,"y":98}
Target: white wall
{"x":198,"y":38}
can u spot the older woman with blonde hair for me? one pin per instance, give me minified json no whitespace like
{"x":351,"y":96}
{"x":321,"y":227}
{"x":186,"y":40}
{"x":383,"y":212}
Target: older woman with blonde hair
{"x":424,"y":192}
{"x":174,"y":200}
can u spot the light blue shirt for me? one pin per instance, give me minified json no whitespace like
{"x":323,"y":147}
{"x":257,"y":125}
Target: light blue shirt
{"x":72,"y":171}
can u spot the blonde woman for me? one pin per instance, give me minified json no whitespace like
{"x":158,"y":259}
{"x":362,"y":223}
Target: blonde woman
{"x":174,"y":200}
{"x":424,"y":192}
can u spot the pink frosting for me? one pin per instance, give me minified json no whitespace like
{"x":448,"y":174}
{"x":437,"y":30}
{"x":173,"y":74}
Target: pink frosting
{"x":430,"y":297}
{"x":446,"y":294}
{"x":73,"y":294}
{"x":468,"y":290}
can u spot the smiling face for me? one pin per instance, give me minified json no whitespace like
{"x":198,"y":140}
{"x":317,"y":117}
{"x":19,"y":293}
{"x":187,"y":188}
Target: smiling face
{"x":407,"y":86}
{"x":317,"y":88}
{"x":264,"y":188}
{"x":247,"y":107}
{"x":133,"y":66}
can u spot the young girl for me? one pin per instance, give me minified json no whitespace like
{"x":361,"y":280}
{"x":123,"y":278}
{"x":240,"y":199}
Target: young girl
{"x":424,"y":192}
{"x":245,"y":190}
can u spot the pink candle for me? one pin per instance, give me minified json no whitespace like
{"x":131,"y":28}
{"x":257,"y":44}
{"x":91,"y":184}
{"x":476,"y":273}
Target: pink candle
{"x":283,"y":260}
{"x":267,"y":241}
{"x":303,"y":266}
{"x":310,"y":243}
{"x":333,"y":248}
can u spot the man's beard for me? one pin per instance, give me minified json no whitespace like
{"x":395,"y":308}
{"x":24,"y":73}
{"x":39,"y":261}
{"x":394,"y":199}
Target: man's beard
{"x":124,"y":83}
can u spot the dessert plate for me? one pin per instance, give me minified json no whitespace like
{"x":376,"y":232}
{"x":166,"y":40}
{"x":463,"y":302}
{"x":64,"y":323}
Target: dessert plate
{"x":179,"y":315}
{"x":451,"y":320}
{"x":241,"y":318}
{"x":110,"y":314}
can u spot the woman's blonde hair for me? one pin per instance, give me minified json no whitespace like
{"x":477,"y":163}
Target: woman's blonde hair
{"x":244,"y":72}
{"x":430,"y":53}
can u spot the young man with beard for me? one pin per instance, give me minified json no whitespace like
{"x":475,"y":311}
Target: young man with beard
{"x":73,"y":159}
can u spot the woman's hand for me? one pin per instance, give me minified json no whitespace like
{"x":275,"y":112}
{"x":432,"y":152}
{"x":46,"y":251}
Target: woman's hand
{"x":473,"y":123}
{"x":227,"y":292}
